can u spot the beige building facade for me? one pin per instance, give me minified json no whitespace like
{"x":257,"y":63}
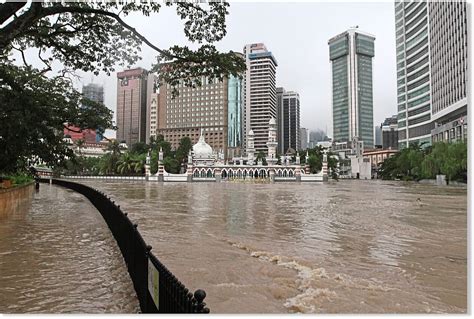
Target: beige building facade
{"x":192,"y":110}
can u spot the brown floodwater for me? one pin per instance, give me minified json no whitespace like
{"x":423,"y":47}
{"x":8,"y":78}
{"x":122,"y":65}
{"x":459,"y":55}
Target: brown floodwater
{"x":345,"y":247}
{"x":57,"y":255}
{"x":338,"y":247}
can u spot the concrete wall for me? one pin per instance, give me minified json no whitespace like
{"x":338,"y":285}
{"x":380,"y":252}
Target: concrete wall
{"x":16,"y":199}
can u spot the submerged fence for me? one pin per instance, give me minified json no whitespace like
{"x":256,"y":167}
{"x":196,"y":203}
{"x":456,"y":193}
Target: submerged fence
{"x":158,"y":290}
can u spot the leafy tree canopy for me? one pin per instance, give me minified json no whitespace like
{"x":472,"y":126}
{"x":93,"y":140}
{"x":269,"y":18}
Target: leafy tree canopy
{"x":90,"y":37}
{"x":415,"y":163}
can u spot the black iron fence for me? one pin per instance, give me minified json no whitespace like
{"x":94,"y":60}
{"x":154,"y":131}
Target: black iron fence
{"x":158,"y":290}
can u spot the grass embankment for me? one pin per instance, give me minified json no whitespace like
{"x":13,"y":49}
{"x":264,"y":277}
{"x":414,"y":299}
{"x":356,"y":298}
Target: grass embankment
{"x":8,"y":181}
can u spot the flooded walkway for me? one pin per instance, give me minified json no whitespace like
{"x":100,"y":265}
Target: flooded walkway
{"x":59,"y":256}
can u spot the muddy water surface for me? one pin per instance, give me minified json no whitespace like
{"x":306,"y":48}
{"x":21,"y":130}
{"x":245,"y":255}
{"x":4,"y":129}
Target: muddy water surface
{"x":346,"y":247}
{"x":58,"y":256}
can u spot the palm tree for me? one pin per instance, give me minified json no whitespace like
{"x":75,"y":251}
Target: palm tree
{"x":111,"y":159}
{"x":114,"y":148}
{"x":126,"y":164}
{"x":139,"y":163}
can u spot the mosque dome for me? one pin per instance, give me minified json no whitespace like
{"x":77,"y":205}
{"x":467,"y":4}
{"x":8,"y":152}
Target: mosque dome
{"x":201,"y":149}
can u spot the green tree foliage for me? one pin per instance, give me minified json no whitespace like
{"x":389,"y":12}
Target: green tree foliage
{"x":171,"y":165}
{"x":139,"y":148}
{"x":415,"y":163}
{"x":315,"y":164}
{"x":261,"y":156}
{"x":155,"y":142}
{"x":315,"y":159}
{"x":90,"y":37}
{"x":132,"y":162}
{"x":33,"y":111}
{"x":447,"y":159}
{"x":185,"y":145}
{"x":332,"y":165}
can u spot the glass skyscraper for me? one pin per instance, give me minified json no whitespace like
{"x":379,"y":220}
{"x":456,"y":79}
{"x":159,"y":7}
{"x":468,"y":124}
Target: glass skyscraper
{"x":234,"y":113}
{"x":351,"y":54}
{"x":94,"y":92}
{"x":431,"y":39}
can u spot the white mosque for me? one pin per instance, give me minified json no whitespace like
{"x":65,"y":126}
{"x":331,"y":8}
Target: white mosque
{"x":206,"y":164}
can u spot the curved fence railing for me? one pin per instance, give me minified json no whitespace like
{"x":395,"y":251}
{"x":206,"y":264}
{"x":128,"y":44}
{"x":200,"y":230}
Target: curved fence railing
{"x":158,"y":290}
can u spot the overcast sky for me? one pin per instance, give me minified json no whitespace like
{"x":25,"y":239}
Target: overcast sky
{"x":297,"y":34}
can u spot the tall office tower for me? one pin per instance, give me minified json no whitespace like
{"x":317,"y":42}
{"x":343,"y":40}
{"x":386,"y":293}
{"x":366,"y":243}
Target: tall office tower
{"x":378,"y":136}
{"x":303,"y":138}
{"x":151,"y":95}
{"x":431,"y":39}
{"x":291,"y":121}
{"x":260,"y":98}
{"x":317,"y":136}
{"x":389,"y":129}
{"x":279,"y":119}
{"x":204,"y":107}
{"x":234,"y":117}
{"x":94,"y":92}
{"x":153,"y":116}
{"x":351,"y":53}
{"x":132,"y":96}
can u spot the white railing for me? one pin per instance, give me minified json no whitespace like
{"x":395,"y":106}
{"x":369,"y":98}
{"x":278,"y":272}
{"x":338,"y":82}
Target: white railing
{"x":312,"y":178}
{"x":280,"y":179}
{"x":106,"y":177}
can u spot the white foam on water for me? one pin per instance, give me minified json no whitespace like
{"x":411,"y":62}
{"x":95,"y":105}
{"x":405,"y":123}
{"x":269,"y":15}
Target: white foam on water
{"x":231,"y":285}
{"x":306,"y":301}
{"x":307,"y":278}
{"x":309,"y":281}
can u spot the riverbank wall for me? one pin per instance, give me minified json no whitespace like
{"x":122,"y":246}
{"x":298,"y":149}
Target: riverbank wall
{"x":16,"y":199}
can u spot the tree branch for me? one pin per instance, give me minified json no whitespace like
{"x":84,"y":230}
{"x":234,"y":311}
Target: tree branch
{"x":22,"y":56}
{"x":72,"y":130}
{"x":48,"y":66}
{"x":36,"y":13}
{"x":9,"y":9}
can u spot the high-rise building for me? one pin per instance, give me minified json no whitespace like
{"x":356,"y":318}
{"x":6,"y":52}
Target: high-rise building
{"x":260,"y":98}
{"x":291,"y":121}
{"x":431,"y":40}
{"x":94,"y":92}
{"x":203,"y":107}
{"x":279,"y":119}
{"x":351,"y":53}
{"x":153,"y":116}
{"x":389,"y":129}
{"x":234,"y":117}
{"x":303,"y":138}
{"x":133,"y":93}
{"x":151,"y":95}
{"x":378,"y":136}
{"x":317,"y":136}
